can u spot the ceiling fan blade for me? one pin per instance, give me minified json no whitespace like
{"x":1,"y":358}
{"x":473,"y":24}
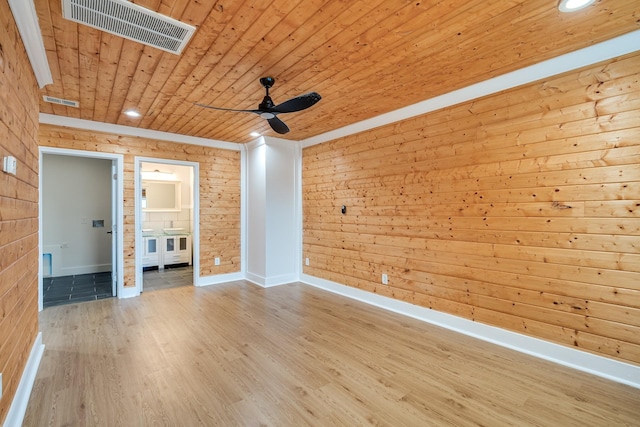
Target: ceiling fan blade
{"x":268,"y":111}
{"x":278,"y":125}
{"x":298,"y":103}
{"x":229,"y":109}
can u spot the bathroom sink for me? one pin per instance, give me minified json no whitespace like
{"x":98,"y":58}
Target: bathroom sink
{"x":173,"y":230}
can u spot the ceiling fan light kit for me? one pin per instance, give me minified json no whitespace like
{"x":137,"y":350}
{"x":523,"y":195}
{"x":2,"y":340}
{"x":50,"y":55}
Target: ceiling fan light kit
{"x":269,"y":111}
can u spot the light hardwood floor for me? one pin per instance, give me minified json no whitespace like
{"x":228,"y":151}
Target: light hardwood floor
{"x":237,"y":354}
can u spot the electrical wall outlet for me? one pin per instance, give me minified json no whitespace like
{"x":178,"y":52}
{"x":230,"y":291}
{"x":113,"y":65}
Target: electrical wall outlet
{"x":385,"y":279}
{"x":306,"y":261}
{"x":216,"y":261}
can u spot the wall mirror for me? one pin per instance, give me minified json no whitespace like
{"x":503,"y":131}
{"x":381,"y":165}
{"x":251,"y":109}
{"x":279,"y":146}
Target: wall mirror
{"x":161,"y":196}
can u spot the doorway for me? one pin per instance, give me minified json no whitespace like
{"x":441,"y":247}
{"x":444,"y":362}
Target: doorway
{"x":166,"y":223}
{"x":79,"y":244}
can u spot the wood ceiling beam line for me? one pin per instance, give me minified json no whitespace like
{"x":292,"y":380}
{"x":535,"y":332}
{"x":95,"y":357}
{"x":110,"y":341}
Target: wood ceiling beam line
{"x":127,"y":64}
{"x":189,"y":12}
{"x":110,"y":50}
{"x":271,"y":56}
{"x":231,"y":35}
{"x":206,"y":39}
{"x":265,"y":24}
{"x":352,"y":18}
{"x":89,"y":41}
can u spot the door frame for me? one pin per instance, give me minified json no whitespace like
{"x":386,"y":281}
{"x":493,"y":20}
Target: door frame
{"x":195,"y":194}
{"x":117,"y":211}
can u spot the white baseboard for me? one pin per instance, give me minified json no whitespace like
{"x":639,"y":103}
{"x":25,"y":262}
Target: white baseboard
{"x":21,"y":399}
{"x":614,"y":370}
{"x":280,"y":280}
{"x":268,"y":282}
{"x":84,"y":269}
{"x":256,"y":279}
{"x":128,"y":292}
{"x":219,"y":278}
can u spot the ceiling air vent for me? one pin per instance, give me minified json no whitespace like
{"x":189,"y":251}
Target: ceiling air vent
{"x":130,"y":21}
{"x":61,"y":101}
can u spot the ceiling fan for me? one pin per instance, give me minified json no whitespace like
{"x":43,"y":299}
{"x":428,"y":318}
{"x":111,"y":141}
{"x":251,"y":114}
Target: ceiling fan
{"x":269,"y":111}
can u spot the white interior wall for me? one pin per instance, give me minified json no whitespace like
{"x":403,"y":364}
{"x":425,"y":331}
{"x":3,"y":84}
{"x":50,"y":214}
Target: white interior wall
{"x":76,"y":191}
{"x":281,"y":233}
{"x":256,"y":211}
{"x":272,"y":234}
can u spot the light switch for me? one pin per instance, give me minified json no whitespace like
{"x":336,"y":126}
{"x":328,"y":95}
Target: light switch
{"x":10,"y":165}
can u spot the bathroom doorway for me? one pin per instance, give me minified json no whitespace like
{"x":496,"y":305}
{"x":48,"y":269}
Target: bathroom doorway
{"x":79,"y":216}
{"x":166,"y":224}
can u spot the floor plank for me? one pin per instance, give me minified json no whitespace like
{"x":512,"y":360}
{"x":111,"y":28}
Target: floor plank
{"x":293,"y":355}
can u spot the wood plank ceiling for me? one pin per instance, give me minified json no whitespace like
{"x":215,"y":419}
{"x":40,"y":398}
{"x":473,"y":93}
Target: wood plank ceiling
{"x":364,"y":57}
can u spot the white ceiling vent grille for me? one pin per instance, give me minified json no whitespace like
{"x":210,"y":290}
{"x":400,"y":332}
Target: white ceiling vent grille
{"x":61,"y":101}
{"x":130,"y":21}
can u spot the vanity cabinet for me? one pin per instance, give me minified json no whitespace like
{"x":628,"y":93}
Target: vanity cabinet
{"x":166,"y":250}
{"x":176,"y":249}
{"x":151,"y":254}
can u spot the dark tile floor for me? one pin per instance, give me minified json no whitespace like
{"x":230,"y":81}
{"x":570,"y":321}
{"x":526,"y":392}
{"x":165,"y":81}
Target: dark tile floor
{"x":167,"y":278}
{"x":91,"y":287}
{"x":78,"y":288}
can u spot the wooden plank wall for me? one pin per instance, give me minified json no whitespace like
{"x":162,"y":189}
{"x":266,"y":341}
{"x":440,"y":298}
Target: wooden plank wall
{"x":519,"y":210}
{"x":18,"y":209}
{"x":219,"y":190}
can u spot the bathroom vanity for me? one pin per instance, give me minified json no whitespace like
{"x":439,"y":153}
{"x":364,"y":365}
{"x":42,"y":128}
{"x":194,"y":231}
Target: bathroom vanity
{"x":162,"y":250}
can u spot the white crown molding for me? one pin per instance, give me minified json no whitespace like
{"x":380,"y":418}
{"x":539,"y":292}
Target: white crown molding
{"x":615,"y":47}
{"x":51,"y":119}
{"x":24,"y":13}
{"x":255,"y":143}
{"x":275,"y":141}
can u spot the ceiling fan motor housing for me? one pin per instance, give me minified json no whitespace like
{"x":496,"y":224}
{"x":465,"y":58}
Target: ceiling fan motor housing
{"x":267,"y":82}
{"x":266,"y":104}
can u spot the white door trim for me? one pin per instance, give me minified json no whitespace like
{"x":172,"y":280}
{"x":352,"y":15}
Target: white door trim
{"x":115,"y":230}
{"x":195,"y":192}
{"x":117,"y":205}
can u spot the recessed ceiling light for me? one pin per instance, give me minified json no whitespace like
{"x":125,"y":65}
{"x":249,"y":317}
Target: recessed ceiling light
{"x":132,"y":113}
{"x":255,"y":134}
{"x":573,"y":5}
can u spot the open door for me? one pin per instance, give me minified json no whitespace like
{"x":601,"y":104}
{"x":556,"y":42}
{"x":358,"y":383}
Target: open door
{"x":81,"y":220}
{"x":114,"y":228}
{"x":167,"y":228}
